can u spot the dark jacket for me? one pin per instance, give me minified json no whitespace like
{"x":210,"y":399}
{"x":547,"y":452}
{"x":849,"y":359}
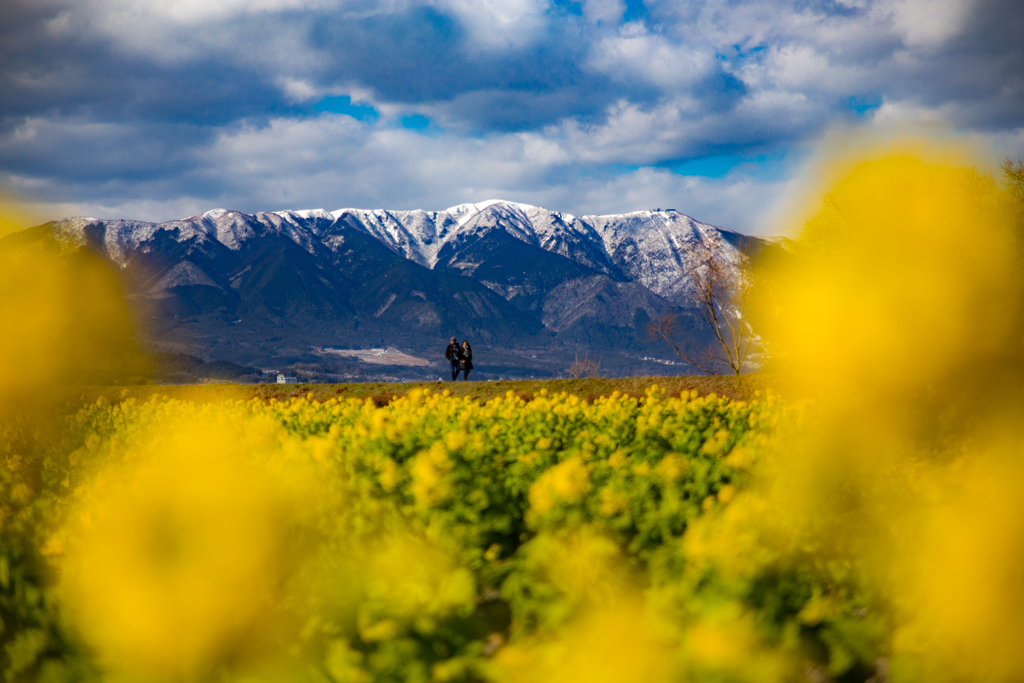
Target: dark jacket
{"x":467,"y":357}
{"x":453,"y":353}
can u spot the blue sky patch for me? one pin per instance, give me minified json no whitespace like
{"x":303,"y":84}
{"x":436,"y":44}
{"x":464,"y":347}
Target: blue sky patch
{"x":862,"y":106}
{"x":414,"y":122}
{"x":635,"y":11}
{"x":569,"y":6}
{"x":764,"y":167}
{"x":342,"y":104}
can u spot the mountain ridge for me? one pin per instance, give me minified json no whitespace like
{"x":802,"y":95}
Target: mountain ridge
{"x":528,"y":281}
{"x":601,"y":242}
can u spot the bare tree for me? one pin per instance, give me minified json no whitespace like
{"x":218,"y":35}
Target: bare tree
{"x":584,"y":367}
{"x":1013,"y":174}
{"x":721,"y":293}
{"x":1013,"y":180}
{"x":696,"y":352}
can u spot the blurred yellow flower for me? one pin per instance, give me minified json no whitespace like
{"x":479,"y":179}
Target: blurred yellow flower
{"x":566,"y":483}
{"x":614,"y":644}
{"x":179,"y":548}
{"x":429,"y":469}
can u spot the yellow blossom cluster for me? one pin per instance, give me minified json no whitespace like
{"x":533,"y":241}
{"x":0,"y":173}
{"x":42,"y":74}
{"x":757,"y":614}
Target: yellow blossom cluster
{"x":415,"y":539}
{"x":870,"y":531}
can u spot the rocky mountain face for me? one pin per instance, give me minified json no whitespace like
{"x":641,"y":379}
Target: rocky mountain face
{"x":530,"y":287}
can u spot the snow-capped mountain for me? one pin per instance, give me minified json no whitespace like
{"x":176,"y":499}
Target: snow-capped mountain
{"x":647,"y":247}
{"x":504,"y":273}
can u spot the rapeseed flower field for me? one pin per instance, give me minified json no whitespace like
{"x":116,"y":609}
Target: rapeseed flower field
{"x":870,"y":529}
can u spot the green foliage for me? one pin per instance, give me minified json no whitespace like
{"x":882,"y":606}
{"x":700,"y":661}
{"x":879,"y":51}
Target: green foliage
{"x":450,"y":528}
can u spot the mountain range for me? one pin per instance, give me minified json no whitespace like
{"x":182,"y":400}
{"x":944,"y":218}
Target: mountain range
{"x":531,"y":288}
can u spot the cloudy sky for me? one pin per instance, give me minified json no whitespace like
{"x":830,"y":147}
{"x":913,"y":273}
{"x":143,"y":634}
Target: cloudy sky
{"x":160,"y":109}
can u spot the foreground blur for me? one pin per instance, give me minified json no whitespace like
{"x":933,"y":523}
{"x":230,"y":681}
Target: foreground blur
{"x":905,"y":313}
{"x":873,"y":530}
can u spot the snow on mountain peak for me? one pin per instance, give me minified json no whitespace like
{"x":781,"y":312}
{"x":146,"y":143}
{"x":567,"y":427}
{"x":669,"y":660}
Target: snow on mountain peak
{"x":647,"y":246}
{"x":463,"y":213}
{"x":309,"y":213}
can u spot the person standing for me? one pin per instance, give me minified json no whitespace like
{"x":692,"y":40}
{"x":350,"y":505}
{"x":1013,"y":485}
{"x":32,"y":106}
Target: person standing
{"x":454,"y":355}
{"x":467,"y":360}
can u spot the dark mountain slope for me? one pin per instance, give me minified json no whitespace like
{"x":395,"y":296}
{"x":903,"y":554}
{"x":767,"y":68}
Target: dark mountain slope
{"x":598,"y":312}
{"x":518,"y":271}
{"x":413,"y":302}
{"x":276,"y":277}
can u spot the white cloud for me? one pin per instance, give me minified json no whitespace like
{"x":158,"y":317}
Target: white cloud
{"x":155,"y":211}
{"x":1007,"y":144}
{"x":800,"y":67}
{"x":299,"y":90}
{"x":928,"y":22}
{"x":60,"y":25}
{"x":908,"y":115}
{"x":636,"y":54}
{"x":499,"y":24}
{"x":604,"y":11}
{"x":174,"y":31}
{"x":630,"y":135}
{"x":912,"y":120}
{"x":335,"y":161}
{"x":191,"y":11}
{"x":737,"y":203}
{"x":171,"y":32}
{"x":639,"y":94}
{"x":633,"y":135}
